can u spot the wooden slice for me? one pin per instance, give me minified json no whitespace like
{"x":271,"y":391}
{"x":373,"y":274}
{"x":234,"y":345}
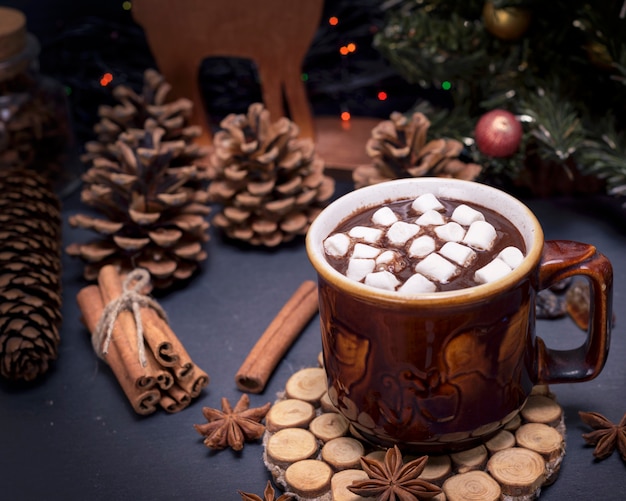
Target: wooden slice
{"x":472,"y":486}
{"x":542,"y":409}
{"x":542,"y":439}
{"x":326,"y":404}
{"x":437,"y":469}
{"x":309,"y":478}
{"x":542,"y":389}
{"x":329,"y":425}
{"x":519,"y":471}
{"x":289,"y":413}
{"x":471,"y":459}
{"x":502,"y":440}
{"x":514,"y":423}
{"x":340,"y":482}
{"x":307,"y":384}
{"x":377,"y":455}
{"x":343,"y":453}
{"x":290,"y":445}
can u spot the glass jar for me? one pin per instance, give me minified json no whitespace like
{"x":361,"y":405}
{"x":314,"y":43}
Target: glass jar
{"x":35,"y":128}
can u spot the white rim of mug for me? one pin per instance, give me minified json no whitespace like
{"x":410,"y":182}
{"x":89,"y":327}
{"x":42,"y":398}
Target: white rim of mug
{"x":455,"y":189}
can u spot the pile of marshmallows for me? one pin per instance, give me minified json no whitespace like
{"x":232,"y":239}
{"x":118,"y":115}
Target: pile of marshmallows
{"x":438,"y":260}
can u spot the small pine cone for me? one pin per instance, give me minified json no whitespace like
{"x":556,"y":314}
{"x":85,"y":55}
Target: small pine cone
{"x":155,"y":212}
{"x":134,"y":110}
{"x":270,"y":183}
{"x":30,"y":275}
{"x":398,"y":149}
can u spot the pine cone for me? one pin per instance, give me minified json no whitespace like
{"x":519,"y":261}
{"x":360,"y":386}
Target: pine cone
{"x":155,"y":212}
{"x":30,"y":275}
{"x":135,"y":109}
{"x":271,"y":184}
{"x":398,"y":149}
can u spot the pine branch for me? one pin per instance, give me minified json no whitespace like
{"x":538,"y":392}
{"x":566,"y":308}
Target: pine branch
{"x":605,"y":157}
{"x":554,"y":122}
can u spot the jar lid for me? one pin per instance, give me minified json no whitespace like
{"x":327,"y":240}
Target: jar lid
{"x":12,"y":32}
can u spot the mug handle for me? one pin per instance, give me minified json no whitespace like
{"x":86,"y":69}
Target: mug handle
{"x":562,"y":259}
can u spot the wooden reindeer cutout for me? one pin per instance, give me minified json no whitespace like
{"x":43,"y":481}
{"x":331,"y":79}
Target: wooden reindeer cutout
{"x":274,"y":34}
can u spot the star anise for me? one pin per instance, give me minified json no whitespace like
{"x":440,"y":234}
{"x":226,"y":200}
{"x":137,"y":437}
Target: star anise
{"x":232,"y":427}
{"x":391,"y":480}
{"x":268,"y":495}
{"x":606,"y":435}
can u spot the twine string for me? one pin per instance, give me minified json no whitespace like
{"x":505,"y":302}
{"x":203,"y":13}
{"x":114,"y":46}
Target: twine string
{"x":130,"y":300}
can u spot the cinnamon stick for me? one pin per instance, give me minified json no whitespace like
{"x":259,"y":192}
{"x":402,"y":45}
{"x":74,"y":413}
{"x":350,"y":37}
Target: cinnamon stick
{"x":111,"y":288}
{"x":140,"y":391}
{"x":167,"y":376}
{"x":284,"y":329}
{"x":193,"y":384}
{"x":165,"y":345}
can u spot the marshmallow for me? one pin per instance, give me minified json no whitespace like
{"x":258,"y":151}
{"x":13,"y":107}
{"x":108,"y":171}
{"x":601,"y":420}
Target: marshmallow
{"x":399,"y":232}
{"x":369,"y":235}
{"x":466,"y":215}
{"x":493,"y":271}
{"x":460,"y":254}
{"x":390,"y":260}
{"x":450,"y":232}
{"x":426,"y":202}
{"x":382,"y":280}
{"x":416,"y":284}
{"x":337,"y":245}
{"x":422,"y":246}
{"x":436,"y":268}
{"x":359,"y":268}
{"x":430,"y":218}
{"x":384,"y":217}
{"x":480,"y":235}
{"x":365,"y":251}
{"x":511,"y":256}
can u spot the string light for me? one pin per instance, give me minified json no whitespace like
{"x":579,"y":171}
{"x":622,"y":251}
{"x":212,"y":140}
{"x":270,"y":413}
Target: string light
{"x":345,"y":116}
{"x":127,"y":5}
{"x":382,"y":95}
{"x":347,"y":49}
{"x":333,"y":21}
{"x":106,"y":79}
{"x":304,"y":77}
{"x":446,"y":85}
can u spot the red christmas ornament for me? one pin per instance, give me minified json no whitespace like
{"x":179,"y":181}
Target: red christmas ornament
{"x":498,"y":133}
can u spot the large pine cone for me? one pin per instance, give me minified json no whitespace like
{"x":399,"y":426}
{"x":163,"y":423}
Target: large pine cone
{"x":271,"y":184}
{"x":155,"y":212}
{"x":398,"y":149}
{"x":135,"y":109}
{"x":30,"y":275}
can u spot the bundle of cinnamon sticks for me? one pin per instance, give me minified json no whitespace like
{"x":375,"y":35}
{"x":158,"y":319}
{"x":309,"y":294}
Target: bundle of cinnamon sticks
{"x":153,"y":371}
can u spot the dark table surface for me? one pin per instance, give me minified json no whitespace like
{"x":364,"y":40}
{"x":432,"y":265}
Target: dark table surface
{"x":73,"y":434}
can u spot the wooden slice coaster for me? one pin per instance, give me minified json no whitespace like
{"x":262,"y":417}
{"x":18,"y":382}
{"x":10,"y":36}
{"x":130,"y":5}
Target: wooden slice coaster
{"x":289,"y":413}
{"x":329,"y":425}
{"x":314,"y":454}
{"x":309,"y":478}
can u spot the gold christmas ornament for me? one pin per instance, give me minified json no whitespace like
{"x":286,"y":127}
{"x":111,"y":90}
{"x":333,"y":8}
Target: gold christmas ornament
{"x":270,"y":182}
{"x":155,"y":209}
{"x":399,"y":148}
{"x":507,"y":23}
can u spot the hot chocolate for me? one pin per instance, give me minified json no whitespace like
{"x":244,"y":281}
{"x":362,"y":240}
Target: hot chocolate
{"x":426,"y":244}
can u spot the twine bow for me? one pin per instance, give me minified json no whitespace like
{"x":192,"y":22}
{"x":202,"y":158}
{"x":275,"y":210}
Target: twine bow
{"x":130,"y":300}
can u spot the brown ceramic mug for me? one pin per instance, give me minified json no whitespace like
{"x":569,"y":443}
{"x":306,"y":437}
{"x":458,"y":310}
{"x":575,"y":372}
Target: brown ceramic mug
{"x":443,"y":371}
